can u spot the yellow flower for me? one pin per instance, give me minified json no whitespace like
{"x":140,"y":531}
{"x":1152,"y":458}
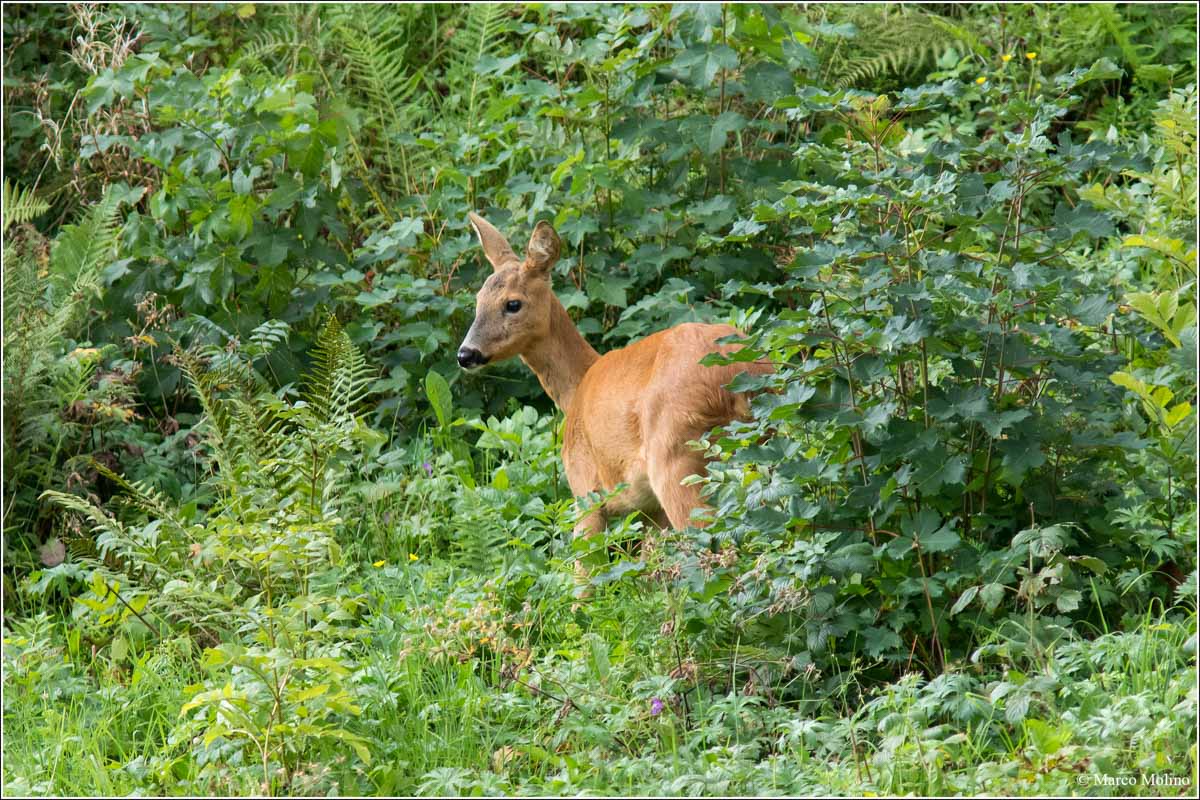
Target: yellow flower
{"x":1007,"y":57}
{"x":1031,"y":55}
{"x":981,"y":80}
{"x":413,"y":557}
{"x":379,"y":563}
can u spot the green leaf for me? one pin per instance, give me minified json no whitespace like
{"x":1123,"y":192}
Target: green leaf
{"x":701,"y":62}
{"x":500,"y":479}
{"x":610,"y":289}
{"x":357,"y":742}
{"x":1177,"y":414}
{"x":1069,"y":600}
{"x":1130,"y":382}
{"x":1090,"y":562}
{"x":879,"y":640}
{"x":619,"y":571}
{"x":310,"y":693}
{"x":438,"y":392}
{"x":565,"y":166}
{"x":992,"y":594}
{"x":726,"y":123}
{"x":941,"y":541}
{"x":119,"y":648}
{"x":964,"y":600}
{"x":1162,"y":310}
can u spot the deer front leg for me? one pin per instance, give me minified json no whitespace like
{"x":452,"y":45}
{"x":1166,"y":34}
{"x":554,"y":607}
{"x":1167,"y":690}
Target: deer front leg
{"x":592,"y":523}
{"x":583,"y":479}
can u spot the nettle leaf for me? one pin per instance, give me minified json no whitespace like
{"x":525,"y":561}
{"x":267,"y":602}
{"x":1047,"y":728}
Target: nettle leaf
{"x":851,"y":559}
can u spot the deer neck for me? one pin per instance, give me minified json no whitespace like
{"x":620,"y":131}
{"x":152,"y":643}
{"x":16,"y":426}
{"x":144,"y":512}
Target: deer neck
{"x":561,"y":359}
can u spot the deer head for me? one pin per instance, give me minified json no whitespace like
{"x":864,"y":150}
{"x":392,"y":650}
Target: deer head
{"x":514,"y":308}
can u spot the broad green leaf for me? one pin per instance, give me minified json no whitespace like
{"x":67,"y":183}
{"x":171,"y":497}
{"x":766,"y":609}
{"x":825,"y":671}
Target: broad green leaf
{"x":992,"y":594}
{"x":310,"y":693}
{"x":1177,"y":414}
{"x":940,"y":541}
{"x":438,"y":392}
{"x":726,"y":123}
{"x":964,"y":600}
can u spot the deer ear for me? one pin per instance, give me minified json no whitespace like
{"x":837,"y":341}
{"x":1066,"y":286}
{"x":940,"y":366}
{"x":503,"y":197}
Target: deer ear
{"x":543,"y":250}
{"x":495,"y":246}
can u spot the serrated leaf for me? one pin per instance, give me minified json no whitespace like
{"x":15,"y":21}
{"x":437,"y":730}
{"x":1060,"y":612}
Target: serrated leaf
{"x":878,"y":640}
{"x":1068,"y":600}
{"x":941,"y":541}
{"x":992,"y":594}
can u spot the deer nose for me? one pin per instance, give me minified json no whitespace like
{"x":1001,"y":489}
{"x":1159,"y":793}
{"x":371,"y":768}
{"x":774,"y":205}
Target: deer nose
{"x":470,"y":357}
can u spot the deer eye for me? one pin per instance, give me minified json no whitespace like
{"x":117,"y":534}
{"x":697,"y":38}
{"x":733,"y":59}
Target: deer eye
{"x":512,"y":306}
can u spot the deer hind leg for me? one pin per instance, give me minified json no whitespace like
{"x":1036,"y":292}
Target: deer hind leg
{"x":667,"y":469}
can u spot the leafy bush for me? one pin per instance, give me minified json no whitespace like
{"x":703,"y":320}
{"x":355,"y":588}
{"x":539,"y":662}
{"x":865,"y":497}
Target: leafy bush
{"x":945,"y":442}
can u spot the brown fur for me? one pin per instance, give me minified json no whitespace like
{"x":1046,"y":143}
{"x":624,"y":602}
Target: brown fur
{"x":629,"y":412}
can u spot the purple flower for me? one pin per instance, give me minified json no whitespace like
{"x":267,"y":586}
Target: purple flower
{"x":428,"y":468}
{"x":656,"y":707}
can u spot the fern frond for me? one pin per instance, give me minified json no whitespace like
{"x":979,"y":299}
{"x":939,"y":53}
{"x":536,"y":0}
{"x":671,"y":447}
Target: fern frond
{"x":481,"y":35}
{"x":143,"y":497}
{"x":894,"y":42}
{"x":378,"y":491}
{"x":20,"y":205}
{"x":340,"y":378}
{"x":205,"y":386}
{"x":42,"y":310}
{"x":102,"y":524}
{"x":288,"y":32}
{"x":374,"y":41}
{"x":84,"y":248}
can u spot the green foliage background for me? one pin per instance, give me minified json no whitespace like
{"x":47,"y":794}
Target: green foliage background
{"x":262,"y":536}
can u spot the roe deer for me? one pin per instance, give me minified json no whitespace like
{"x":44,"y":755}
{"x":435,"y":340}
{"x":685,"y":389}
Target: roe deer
{"x":629,"y":412}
